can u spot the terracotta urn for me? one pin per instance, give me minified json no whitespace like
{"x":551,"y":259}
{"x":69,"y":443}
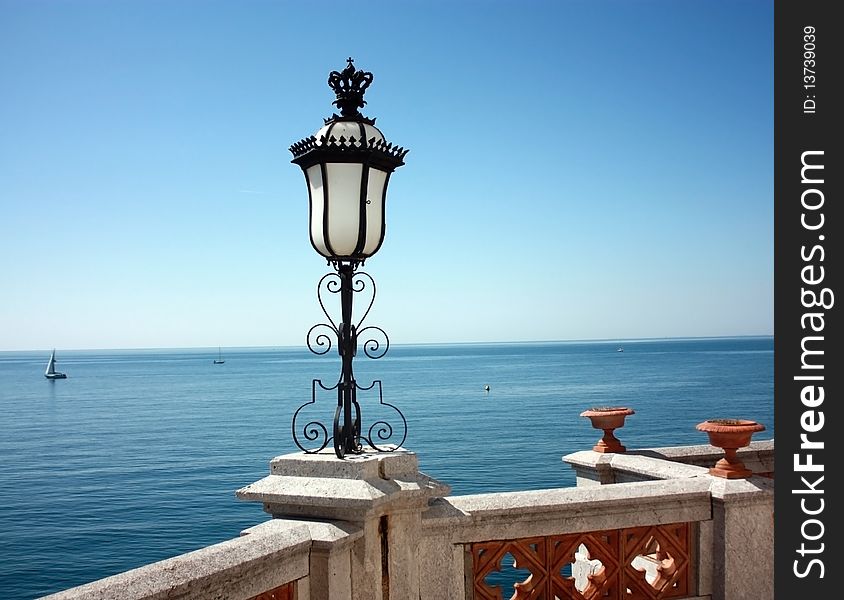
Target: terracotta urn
{"x":608,"y":418}
{"x":730,"y":435}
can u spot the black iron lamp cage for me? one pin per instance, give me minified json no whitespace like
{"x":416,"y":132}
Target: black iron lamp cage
{"x":347,"y":166}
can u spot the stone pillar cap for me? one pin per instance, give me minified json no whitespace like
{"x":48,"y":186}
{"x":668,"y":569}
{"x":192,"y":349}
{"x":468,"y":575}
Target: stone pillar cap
{"x":353,"y":489}
{"x":368,"y":465}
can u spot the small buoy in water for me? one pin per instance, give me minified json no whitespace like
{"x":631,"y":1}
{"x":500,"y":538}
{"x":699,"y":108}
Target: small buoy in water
{"x":486,"y":387}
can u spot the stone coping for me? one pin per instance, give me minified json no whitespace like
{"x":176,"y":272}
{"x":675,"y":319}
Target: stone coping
{"x":759,"y":453}
{"x":738,"y":492}
{"x":239,"y":568}
{"x":672,"y":462}
{"x":367,"y":465}
{"x":352,"y":489}
{"x":324,"y":535}
{"x":347,"y":494}
{"x":647,"y":466}
{"x":534,"y":502}
{"x":510,"y":515}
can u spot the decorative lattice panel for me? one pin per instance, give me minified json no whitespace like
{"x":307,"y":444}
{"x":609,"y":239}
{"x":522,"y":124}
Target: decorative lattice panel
{"x":636,"y":563}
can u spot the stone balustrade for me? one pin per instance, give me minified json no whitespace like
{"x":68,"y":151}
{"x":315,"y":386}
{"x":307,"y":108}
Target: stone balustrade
{"x":598,"y":518}
{"x":742,"y":550}
{"x":269,"y":563}
{"x":593,"y":468}
{"x":644,"y":524}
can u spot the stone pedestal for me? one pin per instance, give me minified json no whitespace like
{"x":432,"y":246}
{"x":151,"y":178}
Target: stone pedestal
{"x":382,"y":494}
{"x":743,"y":538}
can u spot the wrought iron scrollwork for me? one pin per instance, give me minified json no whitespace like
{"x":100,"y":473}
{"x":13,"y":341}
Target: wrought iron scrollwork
{"x":312,"y":430}
{"x":346,"y":431}
{"x":320,"y":343}
{"x":374,"y":347}
{"x":382,"y":429}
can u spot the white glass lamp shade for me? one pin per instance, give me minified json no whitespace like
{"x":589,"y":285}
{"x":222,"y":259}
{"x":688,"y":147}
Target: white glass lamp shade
{"x":347,"y":167}
{"x":347,"y":209}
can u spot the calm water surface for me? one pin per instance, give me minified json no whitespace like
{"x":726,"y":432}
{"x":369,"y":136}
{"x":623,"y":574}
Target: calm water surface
{"x":135,"y":457}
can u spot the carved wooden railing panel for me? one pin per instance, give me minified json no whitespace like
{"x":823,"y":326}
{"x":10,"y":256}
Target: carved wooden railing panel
{"x":635,"y":563}
{"x":282,"y":592}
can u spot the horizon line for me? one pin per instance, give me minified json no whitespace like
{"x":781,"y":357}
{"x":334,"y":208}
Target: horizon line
{"x":475,"y":342}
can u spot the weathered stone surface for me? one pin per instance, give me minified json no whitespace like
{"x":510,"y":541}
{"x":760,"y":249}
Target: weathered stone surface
{"x":325,"y":535}
{"x":442,"y":569}
{"x":643,"y":468}
{"x":512,"y":515}
{"x":368,"y":465}
{"x":743,"y":492}
{"x":233,"y":570}
{"x":381,"y":495}
{"x":705,"y":538}
{"x":743,"y":538}
{"x":623,"y":468}
{"x":594,"y":468}
{"x":323,"y":486}
{"x":758,"y":456}
{"x":403,"y":535}
{"x":591,"y":468}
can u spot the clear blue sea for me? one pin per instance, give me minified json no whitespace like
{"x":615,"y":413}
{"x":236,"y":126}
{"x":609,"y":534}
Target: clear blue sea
{"x":136,"y":456}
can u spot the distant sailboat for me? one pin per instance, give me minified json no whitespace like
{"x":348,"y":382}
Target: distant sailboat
{"x":219,"y":360}
{"x":51,"y":372}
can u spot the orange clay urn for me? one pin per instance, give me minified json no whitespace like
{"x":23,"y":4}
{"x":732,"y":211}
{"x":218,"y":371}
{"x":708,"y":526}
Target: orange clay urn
{"x":730,"y":435}
{"x":608,"y":418}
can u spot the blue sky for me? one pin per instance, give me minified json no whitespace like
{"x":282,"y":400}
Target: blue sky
{"x":577,"y":170}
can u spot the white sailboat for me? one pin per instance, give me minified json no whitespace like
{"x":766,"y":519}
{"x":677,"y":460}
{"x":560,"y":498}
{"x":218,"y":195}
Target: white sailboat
{"x":219,"y":360}
{"x":51,"y":372}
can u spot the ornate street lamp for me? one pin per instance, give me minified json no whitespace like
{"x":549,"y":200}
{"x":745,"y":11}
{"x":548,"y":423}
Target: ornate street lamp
{"x":347,"y":165}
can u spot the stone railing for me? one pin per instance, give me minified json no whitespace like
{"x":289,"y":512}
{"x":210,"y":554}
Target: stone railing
{"x":594,"y":542}
{"x":650,"y":524}
{"x":269,"y":563}
{"x":742,"y":551}
{"x":594,"y":468}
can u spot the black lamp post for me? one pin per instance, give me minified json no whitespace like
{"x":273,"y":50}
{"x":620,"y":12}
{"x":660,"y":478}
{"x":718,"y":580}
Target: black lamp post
{"x":347,"y":165}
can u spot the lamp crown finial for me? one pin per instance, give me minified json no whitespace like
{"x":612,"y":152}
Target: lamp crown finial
{"x":349,"y":86}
